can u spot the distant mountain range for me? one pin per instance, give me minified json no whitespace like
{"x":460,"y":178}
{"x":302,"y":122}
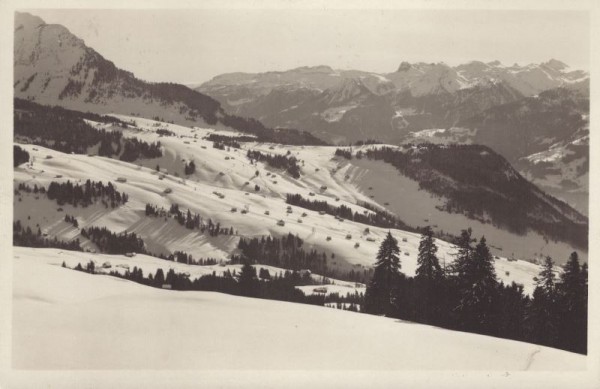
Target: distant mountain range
{"x":347,"y":105}
{"x":520,"y":111}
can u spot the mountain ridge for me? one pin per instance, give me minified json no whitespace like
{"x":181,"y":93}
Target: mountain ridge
{"x":54,"y":67}
{"x":460,"y":100}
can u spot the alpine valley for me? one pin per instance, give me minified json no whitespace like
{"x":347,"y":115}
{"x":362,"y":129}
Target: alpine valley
{"x":536,"y":116}
{"x":292,"y":186}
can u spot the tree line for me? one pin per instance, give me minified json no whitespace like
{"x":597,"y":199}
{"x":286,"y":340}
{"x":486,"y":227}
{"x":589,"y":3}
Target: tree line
{"x":191,"y":221}
{"x":276,"y":287}
{"x":20,"y":156}
{"x":66,"y":131}
{"x":288,"y":136}
{"x":78,"y":195}
{"x":25,"y":237}
{"x":223,"y":141}
{"x":468,"y":296}
{"x":285,"y":252}
{"x":86,"y":194}
{"x":183,"y":257}
{"x":346,"y":153}
{"x":288,"y":252}
{"x":113,"y":243}
{"x":289,"y":164}
{"x":377,"y":218}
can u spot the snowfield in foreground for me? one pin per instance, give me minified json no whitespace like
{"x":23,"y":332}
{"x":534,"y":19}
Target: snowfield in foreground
{"x":64,"y":319}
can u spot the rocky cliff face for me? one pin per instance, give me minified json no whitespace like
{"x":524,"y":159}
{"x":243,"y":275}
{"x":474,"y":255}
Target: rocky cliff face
{"x":54,"y":67}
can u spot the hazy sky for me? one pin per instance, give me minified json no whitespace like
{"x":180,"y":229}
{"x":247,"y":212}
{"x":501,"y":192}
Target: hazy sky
{"x":193,"y":46}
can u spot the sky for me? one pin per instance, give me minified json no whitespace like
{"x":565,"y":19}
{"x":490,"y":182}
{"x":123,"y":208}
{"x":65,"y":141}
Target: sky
{"x":192,"y":46}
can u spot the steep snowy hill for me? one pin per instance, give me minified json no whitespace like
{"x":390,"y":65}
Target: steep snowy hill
{"x":59,"y":312}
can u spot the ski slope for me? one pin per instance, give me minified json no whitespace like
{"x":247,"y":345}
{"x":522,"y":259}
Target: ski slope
{"x":64,"y":319}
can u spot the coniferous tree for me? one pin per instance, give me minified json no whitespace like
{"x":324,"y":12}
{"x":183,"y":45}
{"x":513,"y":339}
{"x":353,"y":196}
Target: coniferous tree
{"x":479,"y":290}
{"x":464,"y":256}
{"x":510,"y":310}
{"x":379,"y":294}
{"x":429,"y":277}
{"x":428,"y":265}
{"x":543,"y":316}
{"x":159,"y":278}
{"x":20,"y":156}
{"x":190,"y":168}
{"x":248,"y":282}
{"x":572,"y":298}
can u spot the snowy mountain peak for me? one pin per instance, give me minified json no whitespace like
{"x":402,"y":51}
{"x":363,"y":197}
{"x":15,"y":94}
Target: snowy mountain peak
{"x":556,"y":64}
{"x":314,"y":69}
{"x":42,"y":45}
{"x":27,"y":20}
{"x":349,"y":88}
{"x":404,"y":66}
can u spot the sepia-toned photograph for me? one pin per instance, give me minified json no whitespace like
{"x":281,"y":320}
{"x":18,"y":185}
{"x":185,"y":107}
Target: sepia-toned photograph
{"x":279,"y":194}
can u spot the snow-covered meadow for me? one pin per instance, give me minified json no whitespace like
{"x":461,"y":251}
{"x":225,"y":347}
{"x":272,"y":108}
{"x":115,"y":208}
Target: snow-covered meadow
{"x":64,"y":319}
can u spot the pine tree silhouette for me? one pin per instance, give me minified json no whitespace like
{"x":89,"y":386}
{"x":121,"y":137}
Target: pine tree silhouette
{"x":379,"y":294}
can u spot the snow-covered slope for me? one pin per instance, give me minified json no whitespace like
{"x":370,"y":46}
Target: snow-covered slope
{"x":348,"y":182}
{"x":59,"y":313}
{"x":106,"y":263}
